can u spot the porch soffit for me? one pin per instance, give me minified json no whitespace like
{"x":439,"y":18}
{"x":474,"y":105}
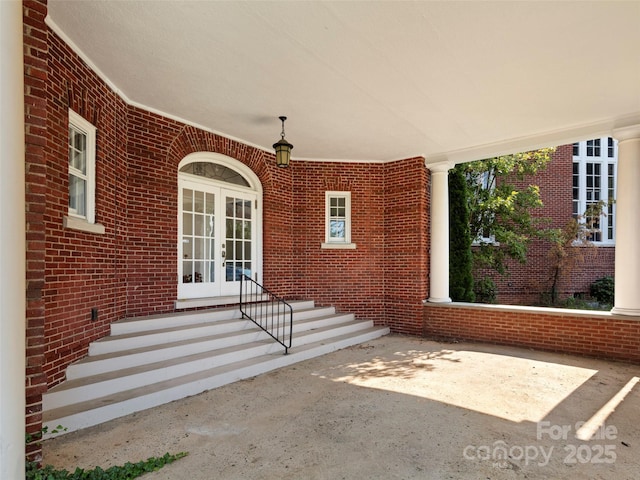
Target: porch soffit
{"x":371,"y":81}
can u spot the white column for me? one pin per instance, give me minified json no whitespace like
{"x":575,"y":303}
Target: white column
{"x":439,"y":254}
{"x":627,"y":274}
{"x":12,"y":244}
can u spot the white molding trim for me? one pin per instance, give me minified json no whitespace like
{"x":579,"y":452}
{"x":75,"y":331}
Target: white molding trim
{"x":82,"y":225}
{"x":338,"y":246}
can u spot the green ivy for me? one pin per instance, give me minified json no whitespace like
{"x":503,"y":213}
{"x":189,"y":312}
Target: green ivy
{"x":127,"y":471}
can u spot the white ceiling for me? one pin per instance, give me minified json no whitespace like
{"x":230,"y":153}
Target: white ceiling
{"x":372,"y":81}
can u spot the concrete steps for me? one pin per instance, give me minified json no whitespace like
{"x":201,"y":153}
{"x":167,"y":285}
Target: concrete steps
{"x":154,"y":360}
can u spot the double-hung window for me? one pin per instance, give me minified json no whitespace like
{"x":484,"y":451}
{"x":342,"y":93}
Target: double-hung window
{"x":594,"y":187}
{"x":82,"y":175}
{"x":338,"y":220}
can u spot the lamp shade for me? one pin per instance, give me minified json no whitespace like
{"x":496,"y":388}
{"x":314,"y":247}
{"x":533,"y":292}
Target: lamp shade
{"x":283,"y":152}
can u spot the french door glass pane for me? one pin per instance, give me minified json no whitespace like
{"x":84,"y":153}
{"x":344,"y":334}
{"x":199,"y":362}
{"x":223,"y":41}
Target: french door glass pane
{"x":238,"y":226}
{"x":198,"y":240}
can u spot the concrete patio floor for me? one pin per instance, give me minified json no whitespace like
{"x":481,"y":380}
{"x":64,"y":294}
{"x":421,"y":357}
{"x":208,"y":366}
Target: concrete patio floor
{"x":394,"y":408}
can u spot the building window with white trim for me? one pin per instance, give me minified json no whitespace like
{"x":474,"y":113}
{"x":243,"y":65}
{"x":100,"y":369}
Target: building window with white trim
{"x":82,"y":175}
{"x":337,"y":220}
{"x":594,"y":188}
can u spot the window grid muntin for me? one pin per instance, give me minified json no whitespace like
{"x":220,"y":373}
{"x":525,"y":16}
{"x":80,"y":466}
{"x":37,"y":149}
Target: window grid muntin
{"x":591,"y":190}
{"x":593,"y":148}
{"x":338,"y":217}
{"x":238,"y":237}
{"x":198,"y":236}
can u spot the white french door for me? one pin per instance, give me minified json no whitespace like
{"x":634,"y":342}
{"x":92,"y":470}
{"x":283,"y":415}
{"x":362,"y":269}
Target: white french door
{"x":217,"y":229}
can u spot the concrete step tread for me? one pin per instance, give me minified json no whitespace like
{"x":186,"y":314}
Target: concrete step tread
{"x":162,"y":346}
{"x":149,"y":367}
{"x":295,"y":304}
{"x":248,"y":327}
{"x":60,"y":413}
{"x":194,"y":326}
{"x":164,"y":364}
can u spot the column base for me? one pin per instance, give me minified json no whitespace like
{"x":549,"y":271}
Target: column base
{"x":439,"y":300}
{"x":631,"y":312}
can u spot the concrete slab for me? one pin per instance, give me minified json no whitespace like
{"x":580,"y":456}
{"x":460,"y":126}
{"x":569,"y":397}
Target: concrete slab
{"x":393,"y":408}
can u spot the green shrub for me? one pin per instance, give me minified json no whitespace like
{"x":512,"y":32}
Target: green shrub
{"x":603,"y":290}
{"x":485,"y":290}
{"x":460,"y":257}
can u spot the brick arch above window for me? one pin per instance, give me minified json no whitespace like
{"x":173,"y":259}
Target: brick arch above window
{"x":193,"y":140}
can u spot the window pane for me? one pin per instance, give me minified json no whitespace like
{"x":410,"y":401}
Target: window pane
{"x":215,"y":172}
{"x":610,"y":147}
{"x":229,"y":228}
{"x":187,"y":200}
{"x":198,"y":203}
{"x":198,"y":248}
{"x":77,"y":195}
{"x":209,"y":226}
{"x":77,"y":151}
{"x":229,"y":207}
{"x":187,"y":248}
{"x":336,"y":229}
{"x":198,"y":225}
{"x":210,"y":203}
{"x":187,"y":223}
{"x":187,"y":272}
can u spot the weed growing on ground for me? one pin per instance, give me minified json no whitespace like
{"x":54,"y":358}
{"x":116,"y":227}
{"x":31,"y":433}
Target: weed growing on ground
{"x":127,"y":471}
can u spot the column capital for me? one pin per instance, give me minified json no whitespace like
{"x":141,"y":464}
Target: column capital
{"x":627,"y":133}
{"x":439,"y":165}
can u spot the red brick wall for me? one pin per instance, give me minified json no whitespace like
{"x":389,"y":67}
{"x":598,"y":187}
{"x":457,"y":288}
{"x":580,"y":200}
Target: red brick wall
{"x":385,"y":278}
{"x":156,"y":147}
{"x":352,"y":280}
{"x":35,"y":81}
{"x":530,"y":283}
{"x":83,"y":270}
{"x":406,"y":220}
{"x":594,"y":334}
{"x":131,"y":270}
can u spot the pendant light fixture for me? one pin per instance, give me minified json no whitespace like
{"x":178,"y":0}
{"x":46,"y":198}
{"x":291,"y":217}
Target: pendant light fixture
{"x":283,"y":148}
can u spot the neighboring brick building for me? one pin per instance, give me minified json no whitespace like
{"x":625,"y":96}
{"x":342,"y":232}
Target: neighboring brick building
{"x":530,"y":283}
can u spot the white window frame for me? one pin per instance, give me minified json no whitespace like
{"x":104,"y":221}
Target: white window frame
{"x":605,"y":160}
{"x":332,"y":242}
{"x":482,"y":239}
{"x":73,"y":219}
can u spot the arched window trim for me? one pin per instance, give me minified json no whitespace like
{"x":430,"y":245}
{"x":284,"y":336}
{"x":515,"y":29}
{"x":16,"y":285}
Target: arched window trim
{"x":229,"y":162}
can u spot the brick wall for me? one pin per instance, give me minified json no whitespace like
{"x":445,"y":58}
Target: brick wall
{"x":406,"y":220}
{"x":352,"y":280}
{"x":83,"y":270}
{"x":35,"y":81}
{"x":131,"y":269}
{"x":385,"y":278}
{"x":594,"y":334}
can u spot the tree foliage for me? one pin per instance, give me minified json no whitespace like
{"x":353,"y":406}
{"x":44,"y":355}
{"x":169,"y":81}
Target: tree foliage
{"x":460,"y":257}
{"x":502,"y":207}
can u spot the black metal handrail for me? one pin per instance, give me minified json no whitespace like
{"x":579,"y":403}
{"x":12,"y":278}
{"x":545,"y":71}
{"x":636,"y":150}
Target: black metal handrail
{"x":268,"y":311}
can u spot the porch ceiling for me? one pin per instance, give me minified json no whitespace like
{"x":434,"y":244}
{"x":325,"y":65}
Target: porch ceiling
{"x":369,"y":81}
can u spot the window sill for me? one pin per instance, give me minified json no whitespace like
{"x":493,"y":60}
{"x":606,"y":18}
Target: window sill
{"x":82,"y":225}
{"x":338,"y":246}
